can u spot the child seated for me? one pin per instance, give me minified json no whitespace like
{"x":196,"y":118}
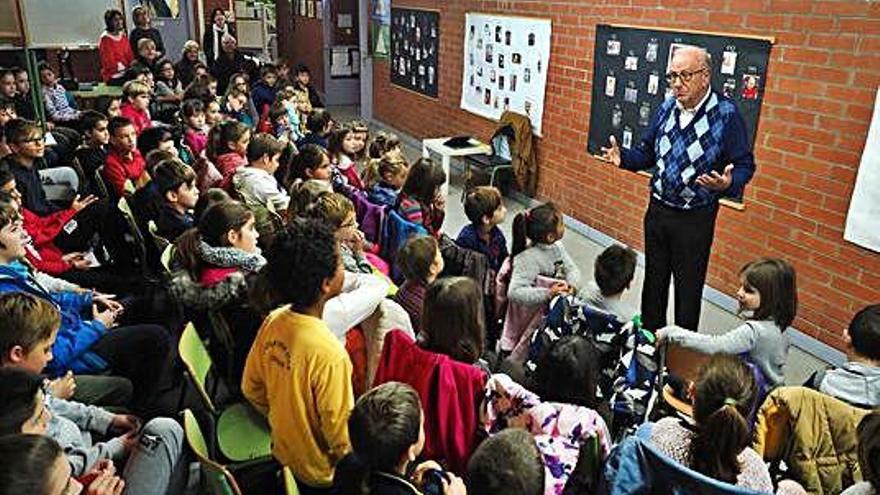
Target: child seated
{"x":544,"y":257}
{"x":385,"y":143}
{"x":717,"y":444}
{"x":125,"y":170}
{"x":508,"y":462}
{"x":869,"y":456}
{"x":485,"y":209}
{"x":136,"y":105}
{"x":318,"y":125}
{"x":236,"y":106}
{"x":387,"y":436}
{"x":298,"y":373}
{"x":58,"y":102}
{"x":420,"y":200}
{"x":279,"y":119}
{"x":858,"y":380}
{"x":613,"y":272}
{"x":93,"y":153}
{"x":157,"y":138}
{"x":342,"y":147}
{"x":263,"y":93}
{"x":421,"y":263}
{"x":196,"y":134}
{"x":312,"y":162}
{"x":257,"y":180}
{"x":227,"y":149}
{"x":337,"y":212}
{"x":387,"y":175}
{"x":150,"y":459}
{"x":176,"y":183}
{"x":768,"y":300}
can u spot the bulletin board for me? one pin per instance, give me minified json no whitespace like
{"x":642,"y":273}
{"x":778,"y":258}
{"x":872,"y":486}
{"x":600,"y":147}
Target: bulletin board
{"x":505,"y":66}
{"x":629,"y":67}
{"x":415,"y":50}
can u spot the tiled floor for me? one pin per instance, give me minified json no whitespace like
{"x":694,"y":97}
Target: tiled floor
{"x":714,"y":319}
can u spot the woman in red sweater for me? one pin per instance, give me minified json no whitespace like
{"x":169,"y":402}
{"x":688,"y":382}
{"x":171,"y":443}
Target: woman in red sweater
{"x":114,"y":48}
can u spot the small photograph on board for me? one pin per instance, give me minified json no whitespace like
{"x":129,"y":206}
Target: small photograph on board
{"x":506,"y":103}
{"x":610,"y":86}
{"x":516,"y":58}
{"x":497,"y":34}
{"x":729,"y":88}
{"x":616,"y":117}
{"x":513,"y":82}
{"x":507,"y":38}
{"x":630,"y":94}
{"x":487,"y":97}
{"x":651,"y":51}
{"x":612,"y":47}
{"x":627,"y":138}
{"x":485,"y":30}
{"x":431,"y":75}
{"x":495,"y":103}
{"x":471,"y":59}
{"x":527,"y":75}
{"x":645,"y":114}
{"x":631,"y":63}
{"x":750,"y":86}
{"x":311,"y":9}
{"x":528,"y":106}
{"x":653,"y":83}
{"x":489,"y":53}
{"x":472,"y":32}
{"x":728,"y":62}
{"x":531,"y":39}
{"x":500,"y":60}
{"x":492,"y":75}
{"x":501,"y":83}
{"x":479,"y":43}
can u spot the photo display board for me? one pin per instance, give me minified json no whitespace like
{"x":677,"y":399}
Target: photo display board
{"x":505,"y":66}
{"x":415,"y":50}
{"x":629,"y":83}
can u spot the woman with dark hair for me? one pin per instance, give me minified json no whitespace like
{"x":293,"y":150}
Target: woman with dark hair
{"x":114,"y":48}
{"x":211,"y":41}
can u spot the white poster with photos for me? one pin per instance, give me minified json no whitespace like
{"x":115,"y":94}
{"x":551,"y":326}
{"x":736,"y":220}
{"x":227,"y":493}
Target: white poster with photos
{"x":505,"y":66}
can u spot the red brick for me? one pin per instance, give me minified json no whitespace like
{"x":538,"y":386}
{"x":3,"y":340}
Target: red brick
{"x":833,"y":41}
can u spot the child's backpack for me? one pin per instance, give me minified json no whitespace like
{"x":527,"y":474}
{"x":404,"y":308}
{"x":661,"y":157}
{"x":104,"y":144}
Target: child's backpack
{"x":637,"y":383}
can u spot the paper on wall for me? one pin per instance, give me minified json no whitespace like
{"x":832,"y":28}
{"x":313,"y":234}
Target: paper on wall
{"x":863,"y":219}
{"x":505,"y":66}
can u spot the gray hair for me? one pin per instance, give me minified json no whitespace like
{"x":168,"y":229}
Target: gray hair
{"x":228,"y":37}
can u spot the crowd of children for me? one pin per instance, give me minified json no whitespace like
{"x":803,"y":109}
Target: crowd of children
{"x":312,"y":258}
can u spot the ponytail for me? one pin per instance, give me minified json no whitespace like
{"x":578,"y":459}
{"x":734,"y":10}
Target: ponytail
{"x":213,"y":227}
{"x":371,"y":175}
{"x":534,"y":225}
{"x":725,"y":395}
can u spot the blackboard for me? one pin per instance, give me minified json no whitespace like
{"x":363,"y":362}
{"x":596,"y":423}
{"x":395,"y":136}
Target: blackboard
{"x":629,"y":67}
{"x":415,"y":50}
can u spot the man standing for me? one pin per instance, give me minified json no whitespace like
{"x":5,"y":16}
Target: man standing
{"x":699,"y":145}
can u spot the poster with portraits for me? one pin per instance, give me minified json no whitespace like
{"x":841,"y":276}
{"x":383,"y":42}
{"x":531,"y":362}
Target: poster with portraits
{"x":629,"y":78}
{"x":415,"y":50}
{"x":505,"y":66}
{"x":863,"y":218}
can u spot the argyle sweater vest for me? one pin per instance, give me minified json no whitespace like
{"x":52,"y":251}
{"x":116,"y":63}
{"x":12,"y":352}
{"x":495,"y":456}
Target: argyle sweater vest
{"x":683,"y":154}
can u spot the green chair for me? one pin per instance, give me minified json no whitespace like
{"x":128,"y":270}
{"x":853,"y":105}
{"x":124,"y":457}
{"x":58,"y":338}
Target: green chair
{"x":216,"y":477}
{"x":290,"y":487}
{"x":242,"y":433}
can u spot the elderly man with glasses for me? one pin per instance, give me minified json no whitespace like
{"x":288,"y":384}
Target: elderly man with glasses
{"x":700,"y":147}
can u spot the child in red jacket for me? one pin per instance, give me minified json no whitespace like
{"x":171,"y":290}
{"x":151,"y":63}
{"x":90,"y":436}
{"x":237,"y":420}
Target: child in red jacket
{"x":124,"y":163}
{"x":136,"y":105}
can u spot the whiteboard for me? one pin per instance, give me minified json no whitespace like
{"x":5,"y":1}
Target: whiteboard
{"x":65,"y":23}
{"x":505,"y":66}
{"x":863,"y":220}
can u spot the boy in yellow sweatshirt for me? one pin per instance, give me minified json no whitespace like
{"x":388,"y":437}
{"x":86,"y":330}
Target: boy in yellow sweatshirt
{"x":297,"y":372}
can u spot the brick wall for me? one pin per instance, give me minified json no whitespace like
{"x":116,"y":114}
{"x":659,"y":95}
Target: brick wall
{"x":824,"y":70}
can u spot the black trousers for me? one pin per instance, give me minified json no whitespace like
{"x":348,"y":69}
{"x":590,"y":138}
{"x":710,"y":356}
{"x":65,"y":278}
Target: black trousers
{"x":141,"y":353}
{"x":677,"y":245}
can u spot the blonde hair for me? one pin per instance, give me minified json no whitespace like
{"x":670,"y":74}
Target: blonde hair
{"x":377,"y":169}
{"x":135,"y":88}
{"x":332,"y":209}
{"x":144,"y":42}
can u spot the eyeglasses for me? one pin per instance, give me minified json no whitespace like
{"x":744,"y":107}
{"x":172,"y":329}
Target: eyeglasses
{"x":684,"y":75}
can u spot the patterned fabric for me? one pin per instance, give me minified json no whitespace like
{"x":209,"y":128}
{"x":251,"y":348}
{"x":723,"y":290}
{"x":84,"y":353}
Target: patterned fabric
{"x":229,"y":257}
{"x":685,"y":154}
{"x":560,"y":430}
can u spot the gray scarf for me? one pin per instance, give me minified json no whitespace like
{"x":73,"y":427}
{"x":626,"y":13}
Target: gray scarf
{"x":229,"y":257}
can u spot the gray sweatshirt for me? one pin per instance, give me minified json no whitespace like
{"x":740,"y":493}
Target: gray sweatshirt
{"x":765,"y":343}
{"x":854,"y":383}
{"x":613,"y":305}
{"x":71,"y":425}
{"x":548,"y":260}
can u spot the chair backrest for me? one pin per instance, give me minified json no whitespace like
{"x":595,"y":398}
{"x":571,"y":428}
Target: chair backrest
{"x":684,"y":363}
{"x":167,"y":257}
{"x":134,"y":231}
{"x":198,"y":362}
{"x":290,"y":487}
{"x":99,"y":182}
{"x":217,"y":478}
{"x":160,"y":242}
{"x":395,"y":232}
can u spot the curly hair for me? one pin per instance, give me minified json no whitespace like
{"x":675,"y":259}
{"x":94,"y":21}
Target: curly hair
{"x":308,"y":249}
